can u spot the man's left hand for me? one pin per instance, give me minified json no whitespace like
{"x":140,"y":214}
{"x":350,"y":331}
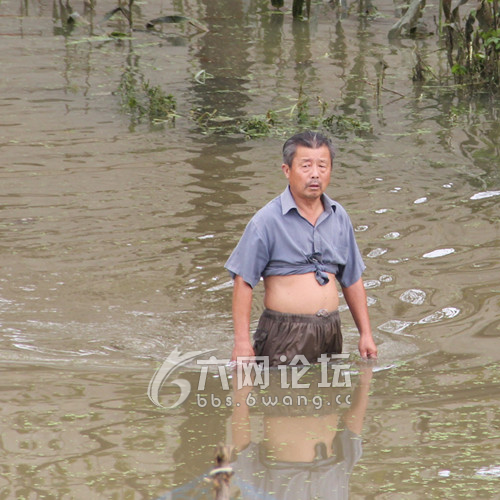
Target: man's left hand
{"x":367,"y":347}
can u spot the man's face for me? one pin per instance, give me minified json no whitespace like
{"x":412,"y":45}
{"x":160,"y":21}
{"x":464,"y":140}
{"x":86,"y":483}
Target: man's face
{"x":310,"y":172}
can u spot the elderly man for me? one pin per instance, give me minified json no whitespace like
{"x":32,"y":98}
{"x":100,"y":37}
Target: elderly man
{"x":300,"y":242}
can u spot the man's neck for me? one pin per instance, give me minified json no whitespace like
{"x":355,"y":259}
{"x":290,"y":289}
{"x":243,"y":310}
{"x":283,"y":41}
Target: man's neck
{"x":309,"y":208}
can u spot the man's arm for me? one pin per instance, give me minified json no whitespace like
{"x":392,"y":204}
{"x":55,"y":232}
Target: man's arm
{"x":355,"y":415}
{"x":355,"y":297}
{"x":241,"y":432}
{"x":242,"y":307}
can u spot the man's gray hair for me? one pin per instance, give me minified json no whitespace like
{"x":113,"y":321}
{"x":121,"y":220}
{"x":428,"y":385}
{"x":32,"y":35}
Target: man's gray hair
{"x":308,"y":139}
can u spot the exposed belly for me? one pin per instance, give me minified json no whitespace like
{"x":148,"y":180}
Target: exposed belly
{"x":300,"y":294}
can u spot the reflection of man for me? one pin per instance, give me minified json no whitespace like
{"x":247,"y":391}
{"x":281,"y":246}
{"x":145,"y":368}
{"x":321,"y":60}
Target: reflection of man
{"x":299,"y":243}
{"x":304,"y":454}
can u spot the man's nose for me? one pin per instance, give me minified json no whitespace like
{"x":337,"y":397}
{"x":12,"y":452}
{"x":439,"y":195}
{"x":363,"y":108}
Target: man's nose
{"x":315,"y":171}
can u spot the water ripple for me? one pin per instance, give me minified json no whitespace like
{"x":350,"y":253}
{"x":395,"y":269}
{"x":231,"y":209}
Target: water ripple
{"x":371,"y":284}
{"x":413,"y":296}
{"x":493,"y":471}
{"x":445,"y":313}
{"x":395,"y":326}
{"x":377,"y":252}
{"x":222,"y":286}
{"x":392,"y":235}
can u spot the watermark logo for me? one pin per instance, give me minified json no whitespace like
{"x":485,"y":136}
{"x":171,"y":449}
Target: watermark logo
{"x":253,"y":372}
{"x":173,"y":362}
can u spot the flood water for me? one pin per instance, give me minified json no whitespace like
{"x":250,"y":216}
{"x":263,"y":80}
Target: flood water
{"x":114,"y":233}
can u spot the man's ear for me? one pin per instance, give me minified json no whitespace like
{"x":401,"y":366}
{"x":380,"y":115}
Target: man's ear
{"x":286,"y":169}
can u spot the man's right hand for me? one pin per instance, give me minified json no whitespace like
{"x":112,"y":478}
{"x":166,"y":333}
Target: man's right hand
{"x":242,"y":349}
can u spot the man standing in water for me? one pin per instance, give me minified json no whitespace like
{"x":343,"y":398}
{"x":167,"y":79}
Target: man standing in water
{"x":300,"y":242}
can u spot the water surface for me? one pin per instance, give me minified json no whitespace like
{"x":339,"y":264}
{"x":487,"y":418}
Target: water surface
{"x":114,"y":234}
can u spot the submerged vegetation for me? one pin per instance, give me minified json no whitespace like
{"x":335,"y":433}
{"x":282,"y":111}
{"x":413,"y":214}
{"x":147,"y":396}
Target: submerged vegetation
{"x":282,"y":121}
{"x":143,"y":100}
{"x":472,"y":44}
{"x":470,"y":37}
{"x":473,"y":48}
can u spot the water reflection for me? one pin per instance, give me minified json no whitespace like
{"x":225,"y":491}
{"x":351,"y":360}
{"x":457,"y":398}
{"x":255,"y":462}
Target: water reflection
{"x":272,"y":39}
{"x":294,"y":438}
{"x":303,"y":452}
{"x":223,"y":54}
{"x":304,"y":69}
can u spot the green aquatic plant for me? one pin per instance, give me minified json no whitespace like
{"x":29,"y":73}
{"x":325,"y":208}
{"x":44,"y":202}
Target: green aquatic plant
{"x":341,"y":124}
{"x":256,"y":127}
{"x":281,"y":122}
{"x":160,"y":105}
{"x":140,"y":99}
{"x":127,"y":91}
{"x":210,"y":122}
{"x":302,"y":108}
{"x":473,"y":42}
{"x":471,"y":39}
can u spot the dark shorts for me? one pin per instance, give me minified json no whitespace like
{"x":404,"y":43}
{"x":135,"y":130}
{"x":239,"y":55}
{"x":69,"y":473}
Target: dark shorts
{"x":287,"y":334}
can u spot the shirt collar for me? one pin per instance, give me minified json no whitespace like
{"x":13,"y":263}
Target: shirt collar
{"x":287,"y":202}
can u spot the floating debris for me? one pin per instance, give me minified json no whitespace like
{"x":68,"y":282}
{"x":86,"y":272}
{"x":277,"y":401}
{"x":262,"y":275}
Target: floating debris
{"x":441,"y":252}
{"x":175,"y":19}
{"x":420,"y":200}
{"x":493,"y":471}
{"x":121,"y":10}
{"x":484,"y":194}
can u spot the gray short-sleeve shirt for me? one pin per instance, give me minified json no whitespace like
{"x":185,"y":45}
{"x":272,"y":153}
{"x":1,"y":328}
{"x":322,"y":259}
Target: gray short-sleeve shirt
{"x":279,"y":241}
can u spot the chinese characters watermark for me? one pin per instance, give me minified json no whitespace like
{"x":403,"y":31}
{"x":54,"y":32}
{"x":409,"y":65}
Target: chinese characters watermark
{"x":251,"y":372}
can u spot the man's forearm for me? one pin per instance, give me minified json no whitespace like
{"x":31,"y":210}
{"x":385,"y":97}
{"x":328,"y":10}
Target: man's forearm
{"x":242,"y":307}
{"x":355,"y":296}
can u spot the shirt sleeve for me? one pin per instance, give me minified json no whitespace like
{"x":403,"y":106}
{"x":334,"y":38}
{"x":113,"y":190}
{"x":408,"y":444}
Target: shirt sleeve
{"x":250,"y":257}
{"x":351,"y":271}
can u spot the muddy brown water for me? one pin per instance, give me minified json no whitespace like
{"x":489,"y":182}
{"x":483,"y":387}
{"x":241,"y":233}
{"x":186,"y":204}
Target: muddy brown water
{"x":114,"y":234}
